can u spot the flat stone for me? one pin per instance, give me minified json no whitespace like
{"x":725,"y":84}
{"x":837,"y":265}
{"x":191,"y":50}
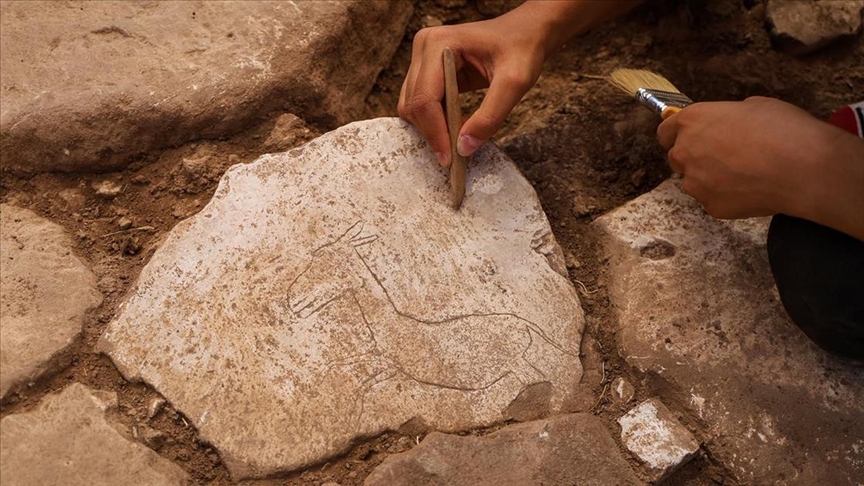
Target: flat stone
{"x":697,"y":308}
{"x":68,"y":440}
{"x":330,"y":293}
{"x":656,"y":437}
{"x":566,"y":449}
{"x":90,"y":85}
{"x":45,"y":292}
{"x":803,"y":26}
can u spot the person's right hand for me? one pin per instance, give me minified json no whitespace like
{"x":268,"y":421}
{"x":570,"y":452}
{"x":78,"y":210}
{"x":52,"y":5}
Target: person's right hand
{"x":504,"y":54}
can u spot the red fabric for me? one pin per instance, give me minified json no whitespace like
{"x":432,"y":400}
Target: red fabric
{"x":850,"y":118}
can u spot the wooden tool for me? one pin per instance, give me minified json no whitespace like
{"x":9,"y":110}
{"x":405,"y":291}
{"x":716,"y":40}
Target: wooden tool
{"x":458,"y":164}
{"x":652,"y":90}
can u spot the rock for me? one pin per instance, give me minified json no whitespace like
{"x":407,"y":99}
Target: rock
{"x":107,"y":189}
{"x":804,"y":26}
{"x":45,"y":292}
{"x":494,"y":8}
{"x":583,"y":205}
{"x":73,"y":198}
{"x":124,"y":223}
{"x":697,"y":307}
{"x":655,"y":436}
{"x":91,"y":85}
{"x":68,"y":440}
{"x":430,"y":21}
{"x":622,"y":390}
{"x":566,"y":449}
{"x":285,"y":133}
{"x":155,"y":406}
{"x":330,"y":293}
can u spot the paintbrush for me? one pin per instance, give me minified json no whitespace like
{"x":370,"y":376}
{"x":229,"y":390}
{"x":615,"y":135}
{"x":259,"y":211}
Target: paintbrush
{"x":652,"y":90}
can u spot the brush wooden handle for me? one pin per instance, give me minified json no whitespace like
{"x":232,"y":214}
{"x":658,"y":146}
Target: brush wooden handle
{"x":668,"y":112}
{"x":458,"y":164}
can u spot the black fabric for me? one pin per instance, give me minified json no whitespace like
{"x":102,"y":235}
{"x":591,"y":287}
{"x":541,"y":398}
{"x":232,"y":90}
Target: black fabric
{"x":820,"y":275}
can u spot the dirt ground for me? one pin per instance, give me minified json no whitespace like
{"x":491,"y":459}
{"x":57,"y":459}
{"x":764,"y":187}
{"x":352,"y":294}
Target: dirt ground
{"x":584,"y":147}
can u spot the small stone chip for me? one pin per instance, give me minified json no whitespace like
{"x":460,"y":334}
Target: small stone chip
{"x":654,"y":435}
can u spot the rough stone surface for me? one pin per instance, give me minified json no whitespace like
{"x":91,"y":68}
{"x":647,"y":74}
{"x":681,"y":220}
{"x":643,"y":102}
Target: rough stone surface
{"x":45,"y":291}
{"x":88,"y":85}
{"x":330,"y":293}
{"x":655,"y":436}
{"x":68,"y":440}
{"x":802,"y":26}
{"x":566,"y":449}
{"x":698,"y":308}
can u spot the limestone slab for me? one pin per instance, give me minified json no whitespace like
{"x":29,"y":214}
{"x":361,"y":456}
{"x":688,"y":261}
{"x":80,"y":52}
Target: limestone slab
{"x":656,"y":437}
{"x":803,"y":26}
{"x":90,"y":85}
{"x":45,"y":291}
{"x":698,"y":309}
{"x":68,"y":440}
{"x":330,"y":293}
{"x":566,"y":449}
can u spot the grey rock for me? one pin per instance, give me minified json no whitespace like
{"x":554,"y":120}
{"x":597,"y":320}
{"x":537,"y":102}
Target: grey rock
{"x":566,"y":449}
{"x":657,"y":438}
{"x":803,"y":26}
{"x":697,"y":308}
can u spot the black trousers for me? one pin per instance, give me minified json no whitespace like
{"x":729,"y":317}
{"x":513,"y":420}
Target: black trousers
{"x":820,"y":276}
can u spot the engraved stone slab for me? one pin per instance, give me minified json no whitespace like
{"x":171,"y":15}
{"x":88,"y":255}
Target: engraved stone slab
{"x":68,"y":440}
{"x":698,"y":308}
{"x":45,"y":291}
{"x":330,"y":293}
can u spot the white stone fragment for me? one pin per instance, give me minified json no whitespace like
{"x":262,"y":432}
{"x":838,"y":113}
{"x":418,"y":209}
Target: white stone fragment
{"x":655,"y":436}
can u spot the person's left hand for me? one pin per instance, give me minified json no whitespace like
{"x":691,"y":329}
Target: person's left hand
{"x":750,"y":158}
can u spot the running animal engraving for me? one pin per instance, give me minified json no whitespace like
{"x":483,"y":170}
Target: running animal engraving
{"x":465,"y":352}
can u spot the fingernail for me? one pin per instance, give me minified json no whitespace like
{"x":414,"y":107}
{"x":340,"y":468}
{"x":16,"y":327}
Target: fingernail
{"x":442,"y":158}
{"x":467,"y":145}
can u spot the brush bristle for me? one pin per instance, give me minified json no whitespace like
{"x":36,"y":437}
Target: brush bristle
{"x":630,"y":80}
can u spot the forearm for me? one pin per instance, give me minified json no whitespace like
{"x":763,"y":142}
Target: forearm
{"x":559,"y":20}
{"x":837,"y":197}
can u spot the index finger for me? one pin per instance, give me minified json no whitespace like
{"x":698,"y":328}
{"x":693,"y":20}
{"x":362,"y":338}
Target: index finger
{"x":667,"y":132}
{"x":420,"y":103}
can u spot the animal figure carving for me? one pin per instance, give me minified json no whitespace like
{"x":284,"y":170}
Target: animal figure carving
{"x":465,"y":352}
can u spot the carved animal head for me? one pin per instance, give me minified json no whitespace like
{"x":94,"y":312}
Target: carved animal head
{"x":336,"y":268}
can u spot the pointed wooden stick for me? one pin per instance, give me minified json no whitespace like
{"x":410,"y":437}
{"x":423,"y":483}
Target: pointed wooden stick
{"x":458,"y":164}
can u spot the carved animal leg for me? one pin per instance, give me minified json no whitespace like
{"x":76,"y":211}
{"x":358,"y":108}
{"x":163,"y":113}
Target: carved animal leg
{"x":366,"y":386}
{"x":556,"y":366}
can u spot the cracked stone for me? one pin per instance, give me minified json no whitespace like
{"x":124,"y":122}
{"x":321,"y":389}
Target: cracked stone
{"x":330,"y":293}
{"x":200,"y":70}
{"x":697,"y":307}
{"x":566,"y":449}
{"x":68,"y":440}
{"x":804,"y":26}
{"x":45,"y":292}
{"x":652,"y":433}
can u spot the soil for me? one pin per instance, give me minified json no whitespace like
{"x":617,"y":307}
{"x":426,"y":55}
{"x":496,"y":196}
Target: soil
{"x":585,"y":148}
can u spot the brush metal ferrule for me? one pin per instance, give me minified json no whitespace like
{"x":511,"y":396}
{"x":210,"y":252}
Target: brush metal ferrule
{"x":657,"y":100}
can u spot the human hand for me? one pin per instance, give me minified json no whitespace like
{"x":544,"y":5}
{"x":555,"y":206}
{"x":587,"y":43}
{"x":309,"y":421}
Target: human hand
{"x":503,"y":54}
{"x":759,"y":157}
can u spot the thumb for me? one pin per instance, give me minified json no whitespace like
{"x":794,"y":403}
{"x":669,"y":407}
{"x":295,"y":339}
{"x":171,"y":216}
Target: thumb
{"x":504,"y":93}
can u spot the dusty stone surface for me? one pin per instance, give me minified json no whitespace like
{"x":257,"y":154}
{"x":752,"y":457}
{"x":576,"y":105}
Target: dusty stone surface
{"x":566,"y":449}
{"x":88,"y":85}
{"x":802,"y":26}
{"x":652,"y":433}
{"x":330,"y":293}
{"x":68,"y":440}
{"x":45,"y":291}
{"x":698,"y":308}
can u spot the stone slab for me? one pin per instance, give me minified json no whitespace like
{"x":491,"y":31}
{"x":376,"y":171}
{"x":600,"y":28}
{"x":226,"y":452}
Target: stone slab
{"x":45,"y":292}
{"x":69,"y":440}
{"x":330,"y":293}
{"x":90,"y":85}
{"x":698,"y":309}
{"x":652,"y":433}
{"x":566,"y":449}
{"x":802,"y":26}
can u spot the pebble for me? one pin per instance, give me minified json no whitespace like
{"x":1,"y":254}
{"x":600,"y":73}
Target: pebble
{"x":155,"y":406}
{"x":107,"y":189}
{"x":652,"y":433}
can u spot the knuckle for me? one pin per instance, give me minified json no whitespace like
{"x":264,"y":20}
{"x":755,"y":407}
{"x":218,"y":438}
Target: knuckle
{"x":516,"y":80}
{"x":416,"y":105}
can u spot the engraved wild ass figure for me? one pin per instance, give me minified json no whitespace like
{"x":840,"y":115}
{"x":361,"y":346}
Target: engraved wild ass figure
{"x":465,"y":352}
